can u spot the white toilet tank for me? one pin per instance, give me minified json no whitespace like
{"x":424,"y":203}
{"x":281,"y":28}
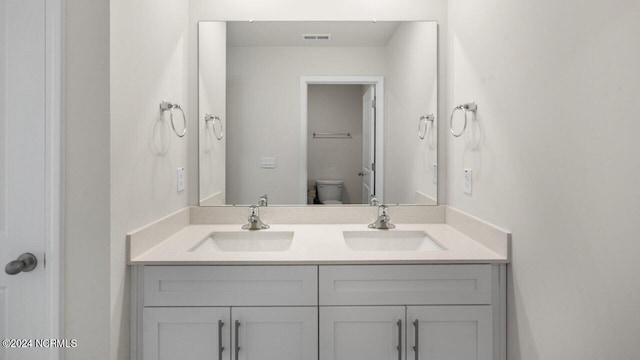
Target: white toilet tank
{"x":329,"y":191}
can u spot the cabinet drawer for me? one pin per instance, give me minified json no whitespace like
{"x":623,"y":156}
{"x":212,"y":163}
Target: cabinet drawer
{"x":230,"y":285}
{"x":405,"y":284}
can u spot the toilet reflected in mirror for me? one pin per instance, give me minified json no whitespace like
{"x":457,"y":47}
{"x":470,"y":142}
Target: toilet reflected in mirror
{"x":329,"y":192}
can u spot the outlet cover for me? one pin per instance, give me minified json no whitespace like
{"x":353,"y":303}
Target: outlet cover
{"x":467,"y":181}
{"x":434,"y":173}
{"x":180,"y":176}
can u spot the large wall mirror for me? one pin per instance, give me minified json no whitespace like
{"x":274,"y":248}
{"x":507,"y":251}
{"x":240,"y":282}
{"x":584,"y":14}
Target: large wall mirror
{"x":323,"y":113}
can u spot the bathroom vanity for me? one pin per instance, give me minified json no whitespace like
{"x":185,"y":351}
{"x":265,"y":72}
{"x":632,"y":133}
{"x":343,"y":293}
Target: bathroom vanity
{"x":318,"y":291}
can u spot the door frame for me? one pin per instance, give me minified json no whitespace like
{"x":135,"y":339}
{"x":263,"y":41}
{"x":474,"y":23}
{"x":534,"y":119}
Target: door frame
{"x":378,"y":82}
{"x":54,"y":129}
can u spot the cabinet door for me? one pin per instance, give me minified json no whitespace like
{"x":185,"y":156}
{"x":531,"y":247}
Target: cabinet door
{"x":275,"y":333}
{"x":193,"y":333}
{"x":449,"y":333}
{"x":362,"y":333}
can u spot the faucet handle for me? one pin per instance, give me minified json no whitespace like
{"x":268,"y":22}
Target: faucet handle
{"x":253,"y":210}
{"x":383,"y":210}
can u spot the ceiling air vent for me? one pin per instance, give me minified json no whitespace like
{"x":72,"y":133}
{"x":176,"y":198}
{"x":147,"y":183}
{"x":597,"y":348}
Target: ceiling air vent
{"x":316,"y":36}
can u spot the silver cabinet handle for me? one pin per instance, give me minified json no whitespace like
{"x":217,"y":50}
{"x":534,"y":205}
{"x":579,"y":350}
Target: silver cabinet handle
{"x":26,"y":262}
{"x":220,"y":347}
{"x":399,"y":339}
{"x":237,"y":340}
{"x":416,"y":324}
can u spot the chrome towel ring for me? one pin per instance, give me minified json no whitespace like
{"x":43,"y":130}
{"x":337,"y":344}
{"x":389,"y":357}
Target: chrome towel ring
{"x":214,"y":119}
{"x":472,"y":107}
{"x":423,"y":120}
{"x":164,"y":106}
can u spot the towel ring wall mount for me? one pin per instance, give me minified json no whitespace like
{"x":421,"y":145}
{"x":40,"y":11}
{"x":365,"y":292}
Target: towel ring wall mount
{"x":167,"y":106}
{"x":468,"y":107}
{"x":423,"y":120}
{"x":214,"y":119}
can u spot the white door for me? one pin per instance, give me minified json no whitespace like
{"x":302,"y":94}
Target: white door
{"x":198,"y":333}
{"x":362,"y":333}
{"x":25,"y":307}
{"x":450,"y":332}
{"x":275,"y":333}
{"x":368,"y":144}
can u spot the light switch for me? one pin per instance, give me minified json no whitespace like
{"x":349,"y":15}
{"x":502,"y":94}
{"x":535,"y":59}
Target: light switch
{"x":180,"y":176}
{"x":268,"y":162}
{"x":467,"y":181}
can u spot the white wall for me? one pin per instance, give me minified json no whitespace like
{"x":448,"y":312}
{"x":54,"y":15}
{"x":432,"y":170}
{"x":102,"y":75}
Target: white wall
{"x":149,"y":59}
{"x":411,"y":54}
{"x":267,"y":122}
{"x":335,"y":109}
{"x":212,"y":82}
{"x":86,"y":179}
{"x":556,"y":85}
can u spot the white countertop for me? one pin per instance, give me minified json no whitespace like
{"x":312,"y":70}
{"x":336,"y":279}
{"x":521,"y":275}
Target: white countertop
{"x":316,"y":244}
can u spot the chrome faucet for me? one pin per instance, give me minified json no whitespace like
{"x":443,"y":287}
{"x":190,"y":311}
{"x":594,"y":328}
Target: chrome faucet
{"x":254,"y":220}
{"x":382,"y":223}
{"x":373,"y":200}
{"x":264,"y":200}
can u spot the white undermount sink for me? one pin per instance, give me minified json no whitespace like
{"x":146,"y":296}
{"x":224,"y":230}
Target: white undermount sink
{"x":245,"y":241}
{"x":390,"y":240}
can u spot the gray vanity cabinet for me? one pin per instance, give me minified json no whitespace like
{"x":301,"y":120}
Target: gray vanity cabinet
{"x":325,"y":312}
{"x":225,"y":312}
{"x":392,"y":332}
{"x":222,"y":333}
{"x":184,"y":332}
{"x":362,"y":332}
{"x":406,"y":312}
{"x":275,"y":333}
{"x":449,"y":333}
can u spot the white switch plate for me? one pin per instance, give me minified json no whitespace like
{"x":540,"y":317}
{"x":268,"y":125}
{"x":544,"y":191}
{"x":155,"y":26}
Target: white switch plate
{"x":268,"y":162}
{"x":434,"y":174}
{"x":467,"y":181}
{"x":180,"y":175}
